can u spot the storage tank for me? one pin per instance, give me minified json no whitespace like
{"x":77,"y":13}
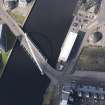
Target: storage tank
{"x":28,"y":1}
{"x":95,"y":37}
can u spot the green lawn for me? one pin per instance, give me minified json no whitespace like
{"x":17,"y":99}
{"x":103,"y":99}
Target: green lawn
{"x":92,"y":59}
{"x":18,"y":17}
{"x":4,"y":56}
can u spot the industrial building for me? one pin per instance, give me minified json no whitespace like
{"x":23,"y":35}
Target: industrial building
{"x":10,"y":4}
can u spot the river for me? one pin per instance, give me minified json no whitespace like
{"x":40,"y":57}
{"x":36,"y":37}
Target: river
{"x":47,"y":26}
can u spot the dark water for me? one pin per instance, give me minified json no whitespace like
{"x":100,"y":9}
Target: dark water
{"x":22,"y":83}
{"x":47,"y":26}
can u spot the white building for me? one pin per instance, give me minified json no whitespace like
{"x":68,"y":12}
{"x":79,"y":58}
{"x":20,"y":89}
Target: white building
{"x":22,"y":3}
{"x":1,"y":38}
{"x":67,"y":46}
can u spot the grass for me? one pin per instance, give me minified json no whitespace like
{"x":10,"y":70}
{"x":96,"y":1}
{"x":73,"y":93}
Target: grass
{"x":5,"y":56}
{"x":18,"y":17}
{"x":92,"y":59}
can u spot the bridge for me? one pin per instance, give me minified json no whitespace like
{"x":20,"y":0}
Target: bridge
{"x":32,"y":49}
{"x":41,"y":61}
{"x":29,"y":46}
{"x":34,"y":52}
